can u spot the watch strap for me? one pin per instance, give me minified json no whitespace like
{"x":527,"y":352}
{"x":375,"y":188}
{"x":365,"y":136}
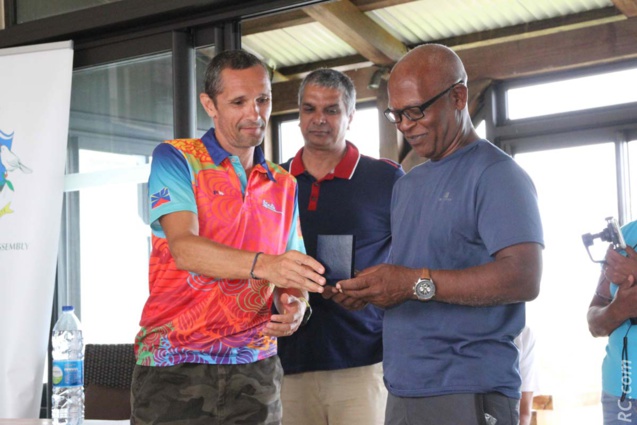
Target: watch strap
{"x":425,"y":273}
{"x":424,"y":281}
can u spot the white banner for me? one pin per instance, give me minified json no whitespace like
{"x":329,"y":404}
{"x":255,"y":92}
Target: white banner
{"x":35,"y":97}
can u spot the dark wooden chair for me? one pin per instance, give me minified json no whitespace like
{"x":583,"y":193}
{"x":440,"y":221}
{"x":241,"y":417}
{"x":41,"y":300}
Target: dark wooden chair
{"x":108,"y":371}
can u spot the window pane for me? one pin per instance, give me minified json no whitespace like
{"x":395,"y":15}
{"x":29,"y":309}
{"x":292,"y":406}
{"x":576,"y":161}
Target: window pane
{"x":119,"y":113}
{"x":114,"y":242}
{"x":30,"y":10}
{"x":570,"y":95}
{"x":291,"y":139}
{"x":125,"y":101}
{"x":481,"y":129}
{"x":363,"y":132}
{"x":203,"y":56}
{"x":572,"y":202}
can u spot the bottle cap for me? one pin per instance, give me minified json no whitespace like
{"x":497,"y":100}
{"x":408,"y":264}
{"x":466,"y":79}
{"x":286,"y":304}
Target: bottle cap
{"x":67,"y":308}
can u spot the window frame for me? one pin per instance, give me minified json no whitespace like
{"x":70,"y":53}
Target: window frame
{"x":614,"y":123}
{"x":568,"y":129}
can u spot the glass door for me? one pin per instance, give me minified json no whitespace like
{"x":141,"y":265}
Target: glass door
{"x":119,"y":113}
{"x":577,"y":189}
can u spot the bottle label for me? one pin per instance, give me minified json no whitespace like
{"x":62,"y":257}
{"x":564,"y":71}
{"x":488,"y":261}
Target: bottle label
{"x":68,"y":373}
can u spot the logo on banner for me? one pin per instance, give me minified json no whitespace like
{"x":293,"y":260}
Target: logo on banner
{"x":10,"y":163}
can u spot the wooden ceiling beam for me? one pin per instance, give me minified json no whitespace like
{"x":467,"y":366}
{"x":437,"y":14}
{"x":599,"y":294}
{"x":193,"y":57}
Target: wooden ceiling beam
{"x":484,"y":38}
{"x":369,"y":5}
{"x":609,"y":43}
{"x":603,"y":44}
{"x":341,"y":64}
{"x":544,"y":27}
{"x":275,"y":21}
{"x":298,"y":17}
{"x":627,"y":7}
{"x":358,"y":30}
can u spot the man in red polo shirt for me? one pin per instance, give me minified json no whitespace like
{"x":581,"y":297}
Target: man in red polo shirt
{"x":333,"y":371}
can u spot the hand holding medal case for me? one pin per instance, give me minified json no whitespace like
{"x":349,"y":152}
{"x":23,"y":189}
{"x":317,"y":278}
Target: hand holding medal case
{"x":336,"y":253}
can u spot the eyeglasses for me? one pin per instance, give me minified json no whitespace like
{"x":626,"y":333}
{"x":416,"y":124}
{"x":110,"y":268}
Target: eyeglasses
{"x":414,"y":113}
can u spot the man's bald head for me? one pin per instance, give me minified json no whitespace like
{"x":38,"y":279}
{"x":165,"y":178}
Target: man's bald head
{"x":428,"y":96}
{"x":436,"y":64}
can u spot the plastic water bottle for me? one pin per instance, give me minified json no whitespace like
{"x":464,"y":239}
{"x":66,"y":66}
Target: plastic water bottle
{"x":67,"y":404}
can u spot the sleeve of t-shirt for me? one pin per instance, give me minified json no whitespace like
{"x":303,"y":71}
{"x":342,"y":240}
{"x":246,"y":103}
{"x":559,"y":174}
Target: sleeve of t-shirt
{"x":508,"y":212}
{"x":169,"y":185}
{"x":629,"y":231}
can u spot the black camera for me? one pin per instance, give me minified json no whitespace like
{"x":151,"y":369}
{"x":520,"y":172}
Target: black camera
{"x":610,"y":234}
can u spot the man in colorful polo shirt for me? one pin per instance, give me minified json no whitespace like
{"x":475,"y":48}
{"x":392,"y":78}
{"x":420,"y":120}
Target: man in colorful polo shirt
{"x":226,"y":245}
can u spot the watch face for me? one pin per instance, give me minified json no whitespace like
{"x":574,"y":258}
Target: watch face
{"x":425,"y":289}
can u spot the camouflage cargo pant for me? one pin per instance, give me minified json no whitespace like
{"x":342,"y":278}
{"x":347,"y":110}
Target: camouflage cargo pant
{"x":192,"y":394}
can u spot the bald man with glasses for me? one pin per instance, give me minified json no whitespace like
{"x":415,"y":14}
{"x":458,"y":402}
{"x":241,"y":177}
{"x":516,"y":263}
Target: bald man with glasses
{"x":466,"y":256}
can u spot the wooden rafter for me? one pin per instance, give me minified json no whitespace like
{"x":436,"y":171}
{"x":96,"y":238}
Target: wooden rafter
{"x":627,"y":7}
{"x":608,"y":43}
{"x":298,"y":17}
{"x":358,"y":30}
{"x":581,"y":47}
{"x":517,"y":32}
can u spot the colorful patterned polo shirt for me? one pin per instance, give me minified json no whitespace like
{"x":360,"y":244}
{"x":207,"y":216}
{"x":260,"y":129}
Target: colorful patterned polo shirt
{"x":191,"y":318}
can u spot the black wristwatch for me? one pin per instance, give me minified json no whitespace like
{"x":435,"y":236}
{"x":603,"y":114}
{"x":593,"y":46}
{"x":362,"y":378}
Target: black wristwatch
{"x":424,"y":288}
{"x":308,"y":311}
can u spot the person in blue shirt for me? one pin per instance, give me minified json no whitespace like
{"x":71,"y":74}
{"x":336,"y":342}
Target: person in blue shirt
{"x":613,"y":305}
{"x":466,"y":255}
{"x":332,"y":366}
